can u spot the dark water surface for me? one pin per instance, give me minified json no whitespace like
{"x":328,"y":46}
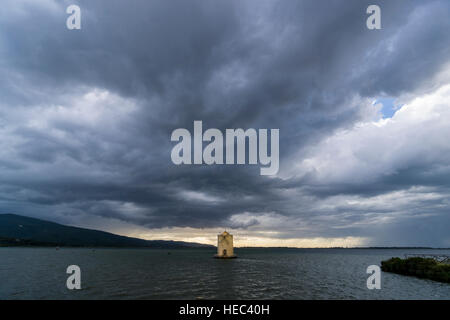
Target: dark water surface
{"x":40,"y":273}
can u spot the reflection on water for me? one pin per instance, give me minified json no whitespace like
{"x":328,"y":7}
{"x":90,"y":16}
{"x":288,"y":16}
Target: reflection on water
{"x":40,"y":273}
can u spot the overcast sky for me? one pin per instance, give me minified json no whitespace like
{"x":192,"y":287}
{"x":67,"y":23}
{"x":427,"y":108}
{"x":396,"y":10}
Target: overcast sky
{"x":364,"y":117}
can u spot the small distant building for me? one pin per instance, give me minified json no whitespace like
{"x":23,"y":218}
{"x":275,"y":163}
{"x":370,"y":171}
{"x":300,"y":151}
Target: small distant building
{"x":225,"y":246}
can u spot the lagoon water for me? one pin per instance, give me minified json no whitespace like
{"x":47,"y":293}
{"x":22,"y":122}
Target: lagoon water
{"x":40,"y":273}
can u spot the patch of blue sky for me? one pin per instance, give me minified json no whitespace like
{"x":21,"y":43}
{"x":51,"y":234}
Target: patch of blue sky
{"x":389,"y":107}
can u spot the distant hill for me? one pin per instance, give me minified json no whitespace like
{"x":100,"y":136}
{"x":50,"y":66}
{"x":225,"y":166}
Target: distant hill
{"x":16,"y":230}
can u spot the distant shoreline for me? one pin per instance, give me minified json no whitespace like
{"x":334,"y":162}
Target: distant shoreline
{"x":22,"y":231}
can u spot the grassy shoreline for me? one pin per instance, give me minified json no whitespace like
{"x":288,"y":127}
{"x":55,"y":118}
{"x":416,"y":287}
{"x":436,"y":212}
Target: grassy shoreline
{"x":425,"y":268}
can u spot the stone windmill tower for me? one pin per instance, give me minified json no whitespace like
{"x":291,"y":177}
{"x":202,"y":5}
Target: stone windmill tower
{"x":225,"y":246}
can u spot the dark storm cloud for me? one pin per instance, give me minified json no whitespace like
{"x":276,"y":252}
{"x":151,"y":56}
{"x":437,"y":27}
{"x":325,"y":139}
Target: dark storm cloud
{"x":86,"y":115}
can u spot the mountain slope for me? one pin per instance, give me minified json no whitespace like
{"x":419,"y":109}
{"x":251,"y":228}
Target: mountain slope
{"x":21,"y":230}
